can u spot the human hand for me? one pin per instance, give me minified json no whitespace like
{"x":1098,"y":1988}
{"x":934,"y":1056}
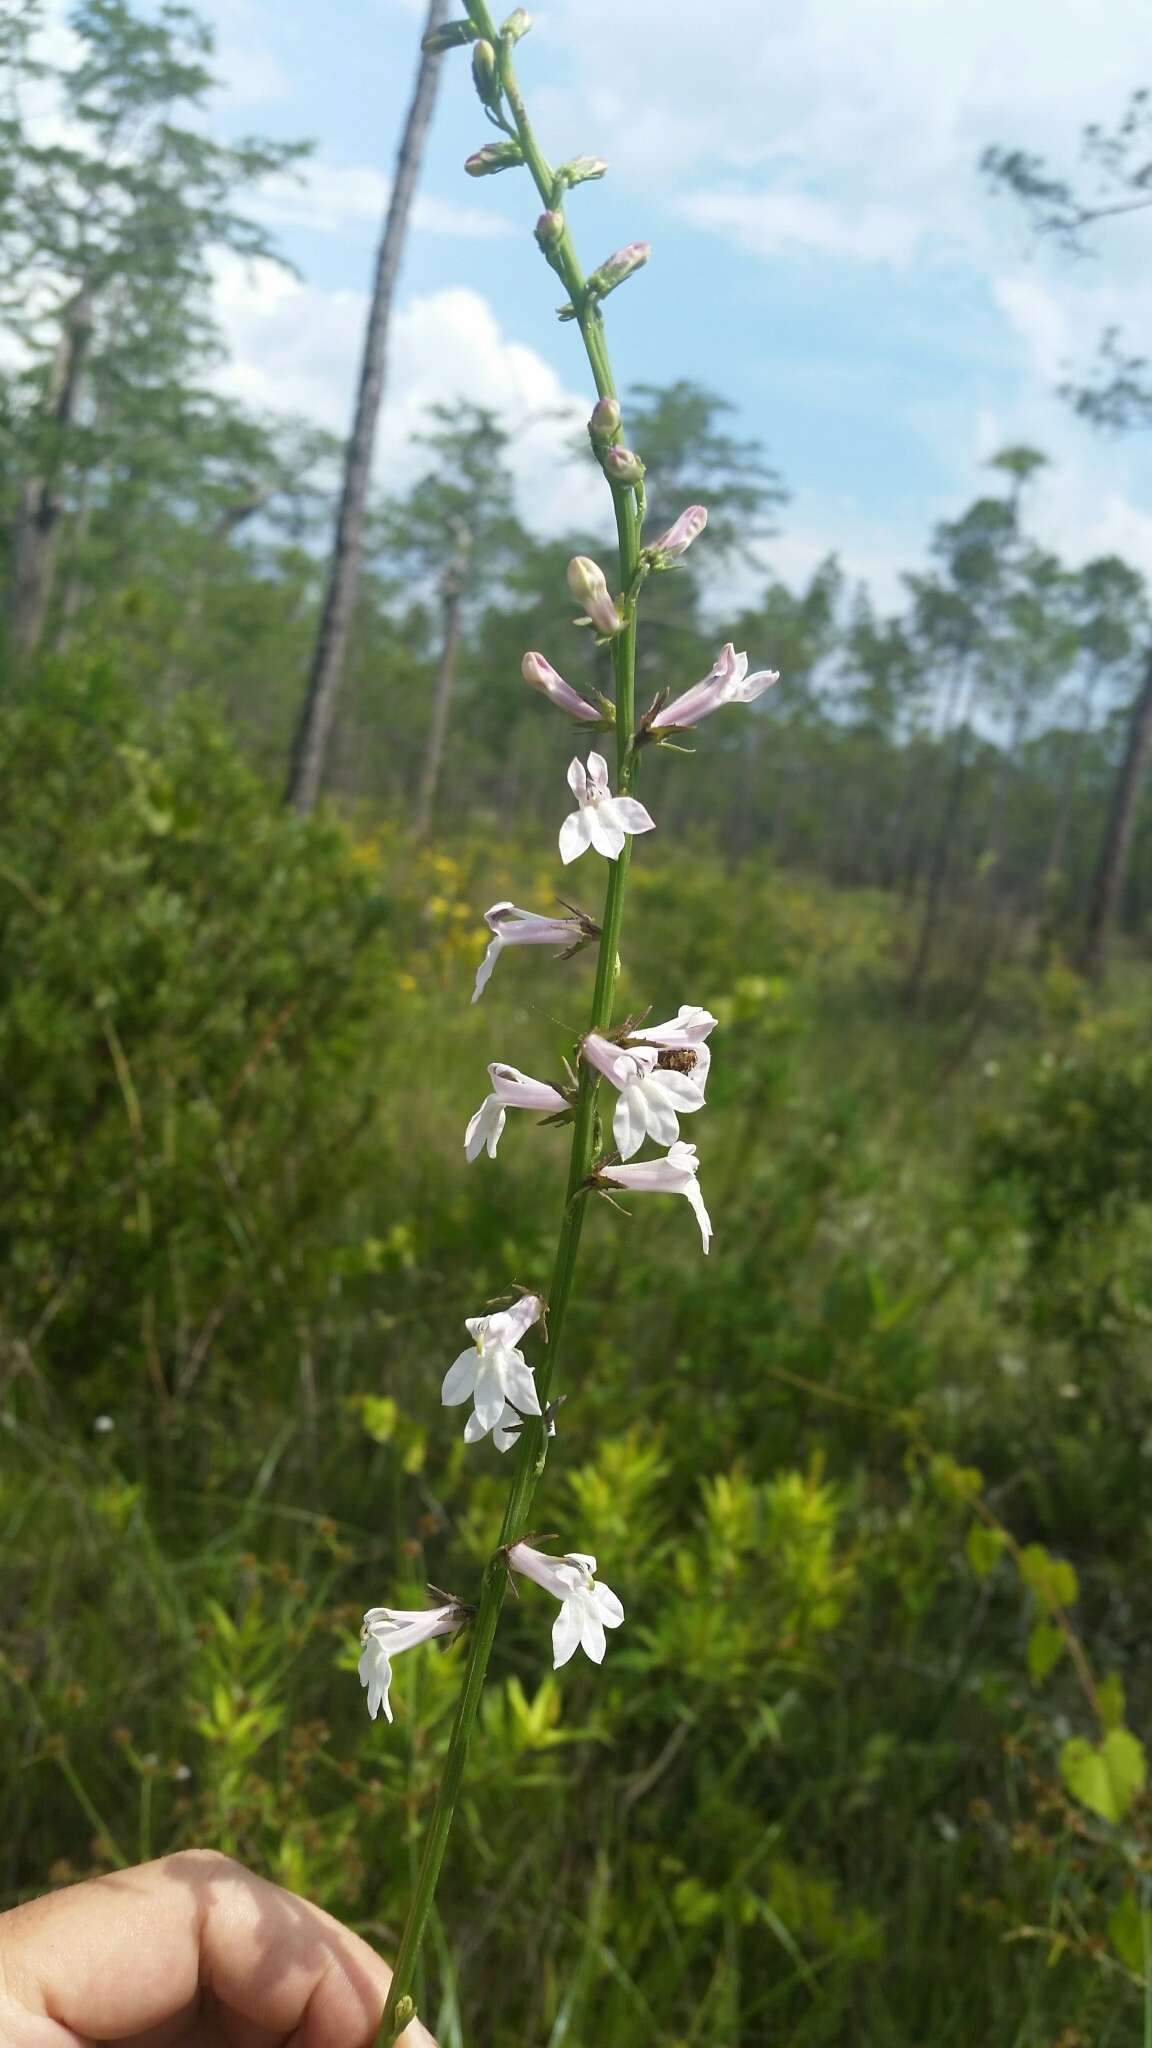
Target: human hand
{"x":193,"y":1951}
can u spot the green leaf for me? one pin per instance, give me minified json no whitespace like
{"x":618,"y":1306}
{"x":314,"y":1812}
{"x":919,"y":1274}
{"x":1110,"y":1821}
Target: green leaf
{"x":1046,"y":1645}
{"x":1052,"y":1579}
{"x":982,"y":1548}
{"x":1105,"y":1777}
{"x":1126,"y":1932}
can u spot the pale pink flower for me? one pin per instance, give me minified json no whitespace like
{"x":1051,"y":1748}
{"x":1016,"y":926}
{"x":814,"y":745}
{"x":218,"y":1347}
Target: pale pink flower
{"x":675,"y":1174}
{"x":589,"y":587}
{"x":601,"y":819}
{"x":680,"y":534}
{"x":388,"y":1630}
{"x":512,"y":927}
{"x":727,"y":682}
{"x":493,"y":1373}
{"x":586,"y":1609}
{"x":615,"y":268}
{"x":685,"y":1032}
{"x":652,"y":1098}
{"x":536,"y":670}
{"x":510,"y":1090}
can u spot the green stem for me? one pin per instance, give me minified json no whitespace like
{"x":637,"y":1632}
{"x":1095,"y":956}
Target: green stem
{"x":533,"y":1449}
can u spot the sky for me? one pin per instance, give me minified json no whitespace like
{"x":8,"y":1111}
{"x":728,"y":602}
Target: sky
{"x":825,"y":253}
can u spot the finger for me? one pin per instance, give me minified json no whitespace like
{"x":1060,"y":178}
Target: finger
{"x":132,"y":1951}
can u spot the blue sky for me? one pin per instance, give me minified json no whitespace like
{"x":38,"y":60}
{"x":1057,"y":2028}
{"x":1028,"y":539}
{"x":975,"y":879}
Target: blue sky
{"x":825,"y":254}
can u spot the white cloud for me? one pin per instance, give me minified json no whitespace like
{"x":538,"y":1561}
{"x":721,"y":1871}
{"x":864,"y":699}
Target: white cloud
{"x":295,"y":349}
{"x":341,"y":199}
{"x":767,"y":222}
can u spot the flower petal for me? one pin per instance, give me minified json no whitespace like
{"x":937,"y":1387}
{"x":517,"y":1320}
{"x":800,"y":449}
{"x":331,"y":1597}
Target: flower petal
{"x":611,"y":1608}
{"x":592,"y":1638}
{"x":519,"y":1384}
{"x":629,"y":812}
{"x":489,"y":1394}
{"x":663,"y":1124}
{"x":597,"y":774}
{"x":575,"y":835}
{"x":630,"y":1123}
{"x":565,"y":1633}
{"x":474,"y":1429}
{"x":605,"y":831}
{"x":460,"y":1379}
{"x":578,"y":780}
{"x":484,"y":971}
{"x":484,"y":1128}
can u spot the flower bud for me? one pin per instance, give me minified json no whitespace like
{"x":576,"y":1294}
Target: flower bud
{"x":633,"y":256}
{"x":449,"y":37}
{"x":680,"y":535}
{"x":588,"y":586}
{"x":621,"y":466}
{"x":494,"y":157}
{"x":581,"y":170}
{"x":604,"y":424}
{"x":484,"y":73}
{"x":549,"y":229}
{"x":537,"y":670}
{"x":518,"y":24}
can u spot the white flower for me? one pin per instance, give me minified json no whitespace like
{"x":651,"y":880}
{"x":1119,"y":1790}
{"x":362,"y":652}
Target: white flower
{"x":510,"y":1090}
{"x":586,"y":1609}
{"x":493,"y":1372}
{"x":512,"y":927}
{"x":675,"y":1174}
{"x":388,"y":1630}
{"x":652,"y":1097}
{"x":727,"y":682}
{"x":602,"y":820}
{"x":685,"y":1032}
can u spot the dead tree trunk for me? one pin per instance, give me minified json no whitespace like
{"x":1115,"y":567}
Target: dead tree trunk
{"x":313,"y":730}
{"x":41,"y":504}
{"x":451,"y":592}
{"x":1112,"y":865}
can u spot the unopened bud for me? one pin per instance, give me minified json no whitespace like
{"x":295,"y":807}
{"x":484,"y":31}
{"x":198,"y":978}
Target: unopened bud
{"x":484,"y":74}
{"x":581,"y":170}
{"x":587,"y":584}
{"x":405,"y":2012}
{"x":518,"y":24}
{"x":494,"y":157}
{"x":549,"y":229}
{"x":449,"y":37}
{"x":633,"y":256}
{"x":621,"y":466}
{"x":680,"y":535}
{"x":604,"y":424}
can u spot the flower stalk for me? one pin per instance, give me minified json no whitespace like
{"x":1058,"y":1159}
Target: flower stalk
{"x":531,"y":1452}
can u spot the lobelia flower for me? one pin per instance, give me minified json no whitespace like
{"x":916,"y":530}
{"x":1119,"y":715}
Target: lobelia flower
{"x":588,"y":585}
{"x":538,"y":671}
{"x":652,"y":1097}
{"x":680,"y":534}
{"x":493,"y":1373}
{"x":622,"y":466}
{"x":506,"y":1432}
{"x":686,"y":1032}
{"x":675,"y":1174}
{"x":388,"y":1630}
{"x":586,"y":1609}
{"x":510,"y":1090}
{"x":601,"y":819}
{"x":512,"y":927}
{"x":727,"y":682}
{"x":623,"y":263}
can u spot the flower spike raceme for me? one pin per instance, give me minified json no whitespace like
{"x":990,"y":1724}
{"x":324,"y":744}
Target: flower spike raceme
{"x":388,"y":1630}
{"x":658,"y":1072}
{"x":586,"y":1608}
{"x":512,"y":927}
{"x":510,"y":1090}
{"x":600,"y":819}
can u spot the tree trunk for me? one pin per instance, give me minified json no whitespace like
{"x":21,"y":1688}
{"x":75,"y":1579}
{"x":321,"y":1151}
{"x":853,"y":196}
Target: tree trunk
{"x":38,"y":521}
{"x":451,"y":590}
{"x":1112,"y":865}
{"x":313,"y":730}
